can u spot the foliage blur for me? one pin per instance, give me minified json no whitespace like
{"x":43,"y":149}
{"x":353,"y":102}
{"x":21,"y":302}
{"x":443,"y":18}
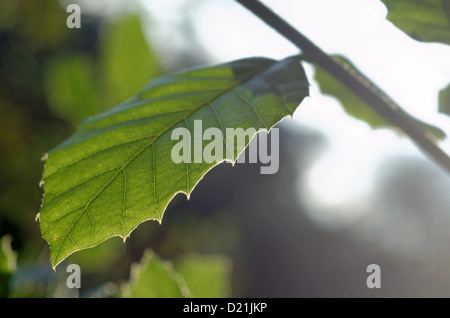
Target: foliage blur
{"x":51,"y":78}
{"x":241,"y":234}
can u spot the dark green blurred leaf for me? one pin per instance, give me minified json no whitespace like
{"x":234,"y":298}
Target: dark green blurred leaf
{"x":444,"y":100}
{"x":423,"y":20}
{"x":127,"y":61}
{"x":42,"y":23}
{"x":206,"y":276}
{"x":8,"y":9}
{"x":154,"y":278}
{"x":70,"y":87}
{"x":358,"y":108}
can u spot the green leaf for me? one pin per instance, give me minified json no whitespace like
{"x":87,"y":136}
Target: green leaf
{"x":7,"y":256}
{"x":116,"y":171}
{"x":206,"y":276}
{"x":70,"y":87}
{"x":423,"y":20}
{"x":358,"y":108}
{"x":8,"y":264}
{"x":127,"y":61}
{"x":154,"y":278}
{"x":444,"y":100}
{"x":193,"y":276}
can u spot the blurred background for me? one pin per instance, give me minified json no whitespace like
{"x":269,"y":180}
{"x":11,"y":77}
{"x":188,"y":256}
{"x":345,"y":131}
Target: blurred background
{"x":349,"y":192}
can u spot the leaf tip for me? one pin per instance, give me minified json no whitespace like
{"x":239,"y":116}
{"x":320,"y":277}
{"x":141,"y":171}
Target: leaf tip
{"x":44,"y":157}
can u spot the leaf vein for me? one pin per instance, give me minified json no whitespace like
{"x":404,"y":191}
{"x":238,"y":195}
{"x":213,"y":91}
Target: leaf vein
{"x":221,"y":128}
{"x":98,"y":152}
{"x":251,"y":106}
{"x":80,"y":184}
{"x":187,"y":161}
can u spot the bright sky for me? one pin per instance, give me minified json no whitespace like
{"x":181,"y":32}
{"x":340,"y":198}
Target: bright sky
{"x":410,"y":71}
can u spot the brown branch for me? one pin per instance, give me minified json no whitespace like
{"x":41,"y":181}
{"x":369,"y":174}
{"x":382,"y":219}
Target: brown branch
{"x":354,"y":81}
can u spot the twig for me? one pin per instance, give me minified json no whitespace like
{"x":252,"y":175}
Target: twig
{"x":354,"y":81}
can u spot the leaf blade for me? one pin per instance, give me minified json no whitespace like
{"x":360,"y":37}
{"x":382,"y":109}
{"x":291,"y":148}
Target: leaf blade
{"x":423,"y":20}
{"x":115,"y":172}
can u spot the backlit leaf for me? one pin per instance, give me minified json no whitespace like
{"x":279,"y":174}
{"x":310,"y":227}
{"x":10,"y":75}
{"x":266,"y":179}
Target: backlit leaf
{"x":117,"y":171}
